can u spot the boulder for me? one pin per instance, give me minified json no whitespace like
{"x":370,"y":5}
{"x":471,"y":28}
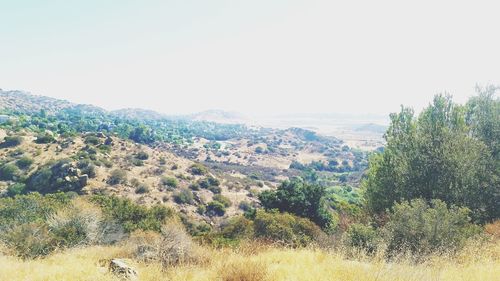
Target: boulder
{"x":119,"y":268}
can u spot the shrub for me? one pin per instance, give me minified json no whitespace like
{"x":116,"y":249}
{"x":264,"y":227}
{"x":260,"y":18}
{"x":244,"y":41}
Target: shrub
{"x":176,"y":246}
{"x":76,"y":225}
{"x":22,"y":227}
{"x":213,"y":181}
{"x":238,"y":228}
{"x":24,"y":162}
{"x":86,"y":167}
{"x":422,"y":228}
{"x":198,"y":169}
{"x":9,"y":172}
{"x":45,"y":138}
{"x":137,"y":162}
{"x":30,"y":240}
{"x":92,"y":140}
{"x":142,"y":188}
{"x":363,"y":237}
{"x":259,"y":150}
{"x":170,"y":248}
{"x":184,"y":196}
{"x":286,"y":229}
{"x":170,"y":182}
{"x":222,"y":199}
{"x":216,"y":208}
{"x":117,"y":176}
{"x":300,"y":198}
{"x":29,"y":208}
{"x":142,"y":155}
{"x":133,"y":216}
{"x":215,"y":189}
{"x":162,"y":161}
{"x":11,"y":141}
{"x":16,"y":189}
{"x":245,"y":206}
{"x":194,"y":186}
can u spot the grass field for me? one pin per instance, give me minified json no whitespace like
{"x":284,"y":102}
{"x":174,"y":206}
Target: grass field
{"x":258,"y":263}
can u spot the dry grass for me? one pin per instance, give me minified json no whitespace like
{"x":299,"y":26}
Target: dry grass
{"x":264,"y":264}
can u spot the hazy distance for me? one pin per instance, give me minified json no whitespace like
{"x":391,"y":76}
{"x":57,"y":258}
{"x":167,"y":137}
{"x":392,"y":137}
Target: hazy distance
{"x":258,"y":58}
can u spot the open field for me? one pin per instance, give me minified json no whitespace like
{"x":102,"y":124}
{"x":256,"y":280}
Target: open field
{"x":257,"y":263}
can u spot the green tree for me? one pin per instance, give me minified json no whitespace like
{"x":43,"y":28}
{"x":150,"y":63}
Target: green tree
{"x":299,"y":198}
{"x":432,"y":156}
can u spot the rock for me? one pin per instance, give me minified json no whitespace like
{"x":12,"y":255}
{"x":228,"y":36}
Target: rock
{"x":119,"y":268}
{"x":83,"y":179}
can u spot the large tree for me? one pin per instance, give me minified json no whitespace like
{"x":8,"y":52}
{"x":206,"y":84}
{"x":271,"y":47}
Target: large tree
{"x":445,"y":153}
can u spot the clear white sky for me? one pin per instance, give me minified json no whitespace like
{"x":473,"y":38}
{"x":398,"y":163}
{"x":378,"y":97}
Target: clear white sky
{"x":264,"y":56}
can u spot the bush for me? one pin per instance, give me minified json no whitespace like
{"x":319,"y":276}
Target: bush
{"x":133,"y":216}
{"x":194,"y":186}
{"x":170,"y":182}
{"x":170,"y":248}
{"x":286,"y":229}
{"x":45,"y":138}
{"x":24,"y":162}
{"x":77,"y":225}
{"x":184,"y":196}
{"x":30,"y":240}
{"x":92,"y":140}
{"x":137,"y":162}
{"x":142,"y":155}
{"x":11,"y":141}
{"x":215,"y":189}
{"x":23,"y":227}
{"x":16,"y":189}
{"x":176,"y":246}
{"x":87,"y":168}
{"x":222,"y":199}
{"x":238,"y":228}
{"x":215,"y":208}
{"x":198,"y":169}
{"x":302,"y":199}
{"x":29,"y":208}
{"x":422,"y":228}
{"x":142,"y":188}
{"x":117,"y":176}
{"x":245,"y":206}
{"x":362,"y":237}
{"x":9,"y":172}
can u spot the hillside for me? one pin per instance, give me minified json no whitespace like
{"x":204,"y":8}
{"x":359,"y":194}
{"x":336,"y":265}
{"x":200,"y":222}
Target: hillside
{"x":88,"y":194}
{"x":243,"y":161}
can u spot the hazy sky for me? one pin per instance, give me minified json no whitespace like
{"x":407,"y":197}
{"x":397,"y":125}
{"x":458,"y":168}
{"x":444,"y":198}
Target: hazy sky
{"x":265,"y":56}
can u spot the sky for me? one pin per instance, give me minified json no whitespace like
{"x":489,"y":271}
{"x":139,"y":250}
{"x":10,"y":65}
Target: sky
{"x":254,"y":57}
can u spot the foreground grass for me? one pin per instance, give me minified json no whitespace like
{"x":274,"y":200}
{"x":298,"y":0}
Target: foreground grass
{"x":253,"y":265}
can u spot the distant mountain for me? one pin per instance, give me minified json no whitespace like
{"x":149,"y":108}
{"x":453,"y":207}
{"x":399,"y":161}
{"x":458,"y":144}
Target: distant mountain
{"x":372,"y":128}
{"x":218,"y":116}
{"x":25,"y":102}
{"x":138,"y":113}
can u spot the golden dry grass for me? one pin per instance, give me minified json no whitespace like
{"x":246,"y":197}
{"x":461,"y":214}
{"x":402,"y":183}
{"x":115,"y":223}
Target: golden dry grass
{"x":263,"y":264}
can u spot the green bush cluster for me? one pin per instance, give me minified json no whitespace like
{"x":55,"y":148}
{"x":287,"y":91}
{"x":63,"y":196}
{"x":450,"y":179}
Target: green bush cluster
{"x":9,"y":172}
{"x":169,"y":182}
{"x":184,"y":196}
{"x":11,"y":141}
{"x":117,"y":176}
{"x":198,"y":169}
{"x":302,"y":199}
{"x":133,"y":216}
